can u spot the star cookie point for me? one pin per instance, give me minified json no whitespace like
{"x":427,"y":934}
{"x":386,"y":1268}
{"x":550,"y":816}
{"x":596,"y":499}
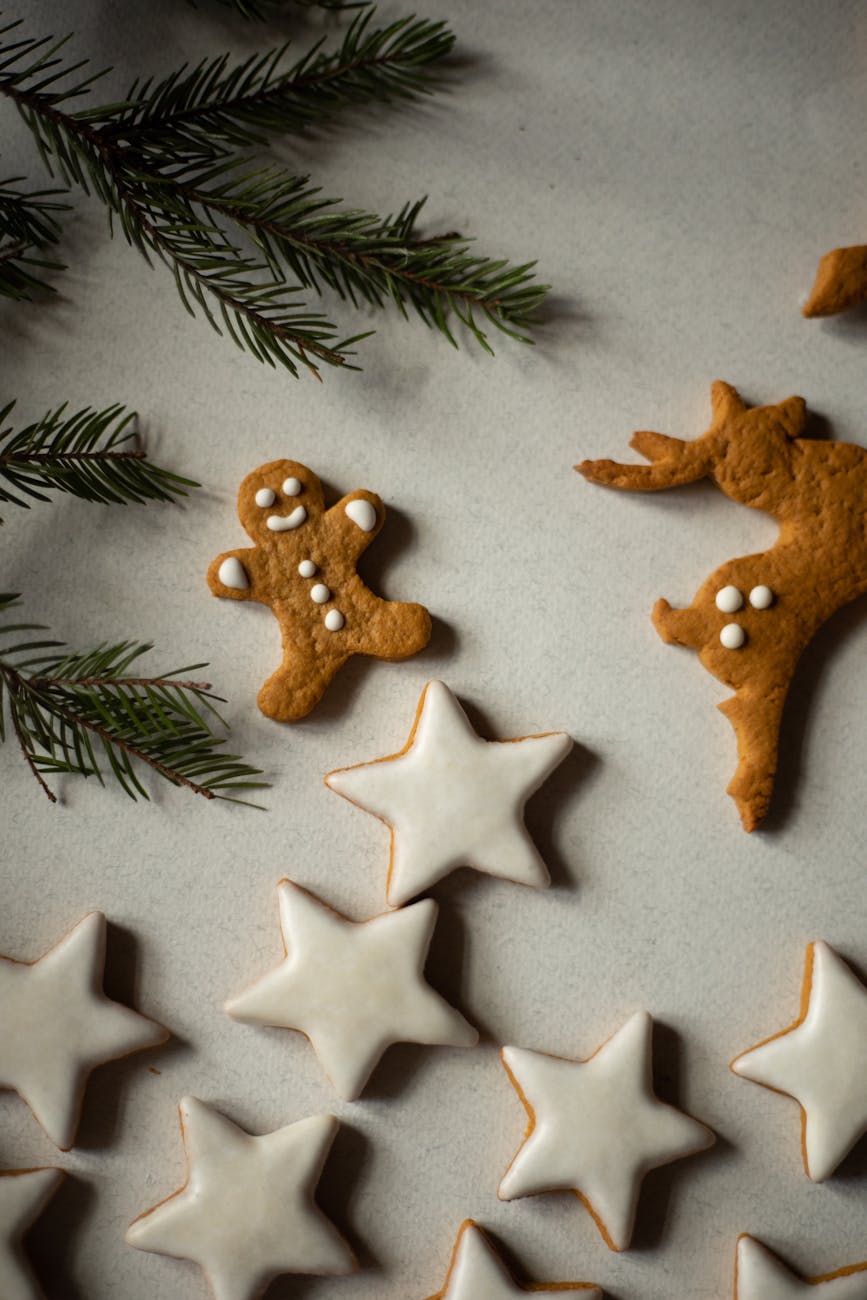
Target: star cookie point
{"x":476,"y":1272}
{"x":760,"y":1274}
{"x":57,"y":1025}
{"x":596,"y":1127}
{"x":24,"y":1194}
{"x":452,"y":799}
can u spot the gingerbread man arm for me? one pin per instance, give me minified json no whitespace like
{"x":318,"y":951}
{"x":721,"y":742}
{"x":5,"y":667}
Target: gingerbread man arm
{"x":355,"y":520}
{"x":232,"y":575}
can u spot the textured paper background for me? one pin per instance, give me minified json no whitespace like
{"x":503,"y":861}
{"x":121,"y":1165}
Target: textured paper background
{"x":678,"y":168}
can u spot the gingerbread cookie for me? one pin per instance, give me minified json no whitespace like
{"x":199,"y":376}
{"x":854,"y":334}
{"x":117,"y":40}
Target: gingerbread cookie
{"x":246,"y":1213}
{"x":596,"y":1127}
{"x":762,"y":1275}
{"x":751,"y":619}
{"x":821,"y":1061}
{"x":56,"y":1025}
{"x":841,"y":282}
{"x":24,"y":1193}
{"x":353,"y":988}
{"x":452,"y":799}
{"x":476,"y":1272}
{"x":303,"y":567}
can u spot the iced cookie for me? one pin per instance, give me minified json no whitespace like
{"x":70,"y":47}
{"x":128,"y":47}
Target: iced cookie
{"x":452,"y":799}
{"x":762,"y":1275}
{"x":821,"y":1061}
{"x":751,"y":619}
{"x":841,"y":282}
{"x":303,"y":567}
{"x":352,"y":987}
{"x":24,"y":1193}
{"x":246,"y":1213}
{"x":476,"y":1272}
{"x":56,"y":1025}
{"x":596,"y":1127}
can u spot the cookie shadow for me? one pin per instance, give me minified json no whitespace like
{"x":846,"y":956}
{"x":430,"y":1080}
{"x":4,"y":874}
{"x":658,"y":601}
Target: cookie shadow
{"x":49,"y":1244}
{"x":335,"y":1196}
{"x":802,"y":710}
{"x":107,"y":1092}
{"x":659,"y":1187}
{"x":516,"y":1268}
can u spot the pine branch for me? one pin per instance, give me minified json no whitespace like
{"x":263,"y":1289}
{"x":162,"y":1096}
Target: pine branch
{"x":90,"y":454}
{"x":161,"y":161}
{"x":86,"y":714}
{"x":262,"y":9}
{"x":27,"y":227}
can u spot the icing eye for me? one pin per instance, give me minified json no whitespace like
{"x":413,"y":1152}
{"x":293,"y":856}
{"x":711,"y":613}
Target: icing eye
{"x":361,"y":512}
{"x":320,"y":593}
{"x":292,"y":486}
{"x":265,"y":497}
{"x":334,"y":620}
{"x":761,"y":597}
{"x":728,"y":600}
{"x":307,"y":568}
{"x":732,"y":636}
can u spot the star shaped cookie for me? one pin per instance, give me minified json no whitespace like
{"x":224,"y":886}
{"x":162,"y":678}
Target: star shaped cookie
{"x":821,"y":1061}
{"x":452,"y":799}
{"x":476,"y":1272}
{"x":762,"y":1275}
{"x":353,"y":988}
{"x":56,"y":1025}
{"x":24,"y":1193}
{"x":596,"y":1127}
{"x":246,"y":1213}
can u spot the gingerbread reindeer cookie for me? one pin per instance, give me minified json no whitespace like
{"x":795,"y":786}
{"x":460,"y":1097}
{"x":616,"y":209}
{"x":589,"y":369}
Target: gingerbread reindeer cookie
{"x":751,"y":619}
{"x":303,"y":566}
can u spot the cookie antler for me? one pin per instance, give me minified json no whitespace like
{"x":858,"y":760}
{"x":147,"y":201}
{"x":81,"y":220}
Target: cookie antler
{"x":751,"y":619}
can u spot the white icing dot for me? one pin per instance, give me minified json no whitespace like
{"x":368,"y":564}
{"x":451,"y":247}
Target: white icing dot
{"x":729,"y":599}
{"x":732,"y":636}
{"x":292,"y":486}
{"x":761,"y":597}
{"x":361,"y":512}
{"x":320,"y":593}
{"x":307,"y":568}
{"x":265,"y":497}
{"x":233,"y":574}
{"x":334,"y":620}
{"x":283,"y":523}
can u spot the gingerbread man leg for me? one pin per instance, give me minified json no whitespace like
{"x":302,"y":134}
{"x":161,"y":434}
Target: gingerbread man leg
{"x":302,"y":678}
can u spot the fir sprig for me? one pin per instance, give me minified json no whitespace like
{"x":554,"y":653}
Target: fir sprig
{"x":89,"y":453}
{"x":88,"y":714}
{"x":162,"y":161}
{"x":262,"y":9}
{"x":28,"y":226}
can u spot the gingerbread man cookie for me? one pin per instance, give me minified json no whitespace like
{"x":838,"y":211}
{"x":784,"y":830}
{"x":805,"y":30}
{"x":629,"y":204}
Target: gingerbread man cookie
{"x":751,"y":619}
{"x":303,"y":566}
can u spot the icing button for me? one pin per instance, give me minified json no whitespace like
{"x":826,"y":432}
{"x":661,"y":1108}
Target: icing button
{"x":362,"y":513}
{"x":232,"y":574}
{"x":320,"y":593}
{"x":307,"y":568}
{"x":732,"y":636}
{"x":292,"y":486}
{"x":729,"y":600}
{"x":334,"y":620}
{"x":265,"y":497}
{"x":761,"y":597}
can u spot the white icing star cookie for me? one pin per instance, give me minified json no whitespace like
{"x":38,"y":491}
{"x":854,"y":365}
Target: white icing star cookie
{"x":56,"y":1025}
{"x":246,"y":1213}
{"x":353,"y":988}
{"x":821,"y":1061}
{"x":452,"y":799}
{"x":24,"y":1193}
{"x":476,"y":1272}
{"x":761,"y":1275}
{"x":596,"y":1127}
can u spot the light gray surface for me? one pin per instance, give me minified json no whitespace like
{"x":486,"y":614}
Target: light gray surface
{"x":678,"y":168}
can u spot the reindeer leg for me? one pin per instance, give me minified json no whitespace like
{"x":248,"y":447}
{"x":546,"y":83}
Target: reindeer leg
{"x":686,"y":627}
{"x":756,"y":722}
